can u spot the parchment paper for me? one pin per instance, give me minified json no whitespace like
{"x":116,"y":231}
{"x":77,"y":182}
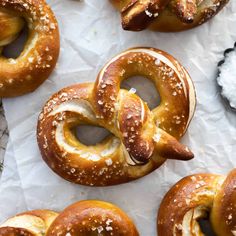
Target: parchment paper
{"x":90,"y":35}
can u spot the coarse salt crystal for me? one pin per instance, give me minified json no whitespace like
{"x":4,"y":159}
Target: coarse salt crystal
{"x":132,"y":90}
{"x":227,"y":77}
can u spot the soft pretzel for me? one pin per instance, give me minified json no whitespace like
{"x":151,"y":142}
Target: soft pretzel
{"x":81,"y":219}
{"x":166,"y":15}
{"x":39,"y":56}
{"x":197,"y":197}
{"x":141,"y":139}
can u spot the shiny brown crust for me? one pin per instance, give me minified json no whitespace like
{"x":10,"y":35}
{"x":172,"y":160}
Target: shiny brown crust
{"x":197,"y":197}
{"x":141,"y":140}
{"x":10,"y":27}
{"x":93,"y":218}
{"x":30,"y":223}
{"x":10,"y":231}
{"x":39,"y":56}
{"x":223,"y":214}
{"x":166,"y":15}
{"x":83,"y":218}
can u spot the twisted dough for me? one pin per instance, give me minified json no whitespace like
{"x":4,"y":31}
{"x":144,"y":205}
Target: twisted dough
{"x":166,"y":15}
{"x":83,"y":218}
{"x":141,"y":139}
{"x":39,"y":56}
{"x":197,"y":197}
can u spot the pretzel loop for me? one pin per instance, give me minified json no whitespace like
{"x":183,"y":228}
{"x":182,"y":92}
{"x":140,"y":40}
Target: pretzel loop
{"x":135,"y":121}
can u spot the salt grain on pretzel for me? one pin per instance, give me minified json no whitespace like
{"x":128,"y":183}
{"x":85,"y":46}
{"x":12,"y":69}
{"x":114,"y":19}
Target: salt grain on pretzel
{"x":141,"y":139}
{"x":39,"y":56}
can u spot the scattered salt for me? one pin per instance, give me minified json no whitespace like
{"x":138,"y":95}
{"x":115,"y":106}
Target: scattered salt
{"x":227,"y":78}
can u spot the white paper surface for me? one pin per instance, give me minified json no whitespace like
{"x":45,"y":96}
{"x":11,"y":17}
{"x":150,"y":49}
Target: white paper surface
{"x":91,"y":34}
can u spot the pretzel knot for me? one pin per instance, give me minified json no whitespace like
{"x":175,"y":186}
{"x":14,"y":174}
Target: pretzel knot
{"x":141,"y":139}
{"x":37,"y":60}
{"x":166,"y":15}
{"x":79,"y":219}
{"x":198,"y":197}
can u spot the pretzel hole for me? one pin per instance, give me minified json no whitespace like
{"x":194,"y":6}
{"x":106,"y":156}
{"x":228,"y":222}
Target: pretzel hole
{"x":145,"y":89}
{"x":14,"y":49}
{"x":206,"y":227}
{"x":90,"y":135}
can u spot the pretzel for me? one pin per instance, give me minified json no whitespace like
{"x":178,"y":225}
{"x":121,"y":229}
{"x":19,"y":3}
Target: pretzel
{"x":196,"y":197}
{"x":141,"y":139}
{"x":166,"y":15}
{"x":81,"y":219}
{"x":39,"y":56}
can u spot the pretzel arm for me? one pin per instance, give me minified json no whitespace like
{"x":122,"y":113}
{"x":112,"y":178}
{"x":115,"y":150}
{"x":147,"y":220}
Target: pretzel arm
{"x":185,"y":10}
{"x":137,"y":15}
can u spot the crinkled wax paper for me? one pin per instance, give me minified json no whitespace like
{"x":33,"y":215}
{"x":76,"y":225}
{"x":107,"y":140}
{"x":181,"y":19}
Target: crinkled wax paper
{"x":90,"y":35}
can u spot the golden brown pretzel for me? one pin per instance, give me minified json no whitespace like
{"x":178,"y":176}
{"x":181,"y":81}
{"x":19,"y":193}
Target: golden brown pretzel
{"x":31,"y":223}
{"x":39,"y":56}
{"x":83,"y":218}
{"x":166,"y":15}
{"x":141,"y":140}
{"x":197,"y":197}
